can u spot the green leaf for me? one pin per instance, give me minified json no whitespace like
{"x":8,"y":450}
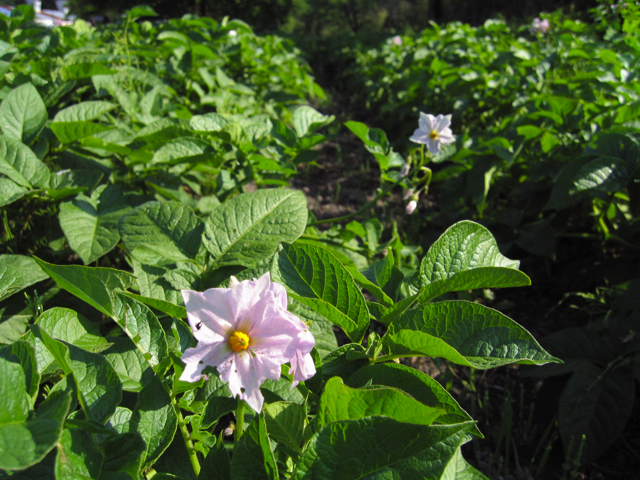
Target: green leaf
{"x":10,"y":191}
{"x":24,"y":354}
{"x":466,"y":256}
{"x":122,"y":454}
{"x":93,"y":285}
{"x":216,"y":408}
{"x":364,"y":282}
{"x":340,"y":402}
{"x":217,"y":465}
{"x":465,"y":333}
{"x":385,"y":275}
{"x":180,"y":150}
{"x":253,"y":458}
{"x":161,"y":232}
{"x":79,"y":458}
{"x":132,"y":368}
{"x":26,"y":443}
{"x":70,"y":327}
{"x":142,"y":327}
{"x":172,"y":310}
{"x":141,"y":11}
{"x":91,"y":224}
{"x":99,"y":388}
{"x":21,"y":165}
{"x":23,"y":114}
{"x":459,"y":469}
{"x":154,"y":418}
{"x":84,"y":111}
{"x":596,"y":404}
{"x":85,"y":70}
{"x":379,"y":447}
{"x":319,"y":326}
{"x":307,"y":120}
{"x":13,"y":388}
{"x":247,"y":229}
{"x":417,"y":384}
{"x":66,"y":183}
{"x":321,"y":282}
{"x":152,"y":284}
{"x":68,"y":132}
{"x":604,"y":175}
{"x":18,"y":272}
{"x":210,"y":122}
{"x":285,"y":423}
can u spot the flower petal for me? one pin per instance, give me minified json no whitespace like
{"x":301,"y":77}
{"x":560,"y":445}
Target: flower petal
{"x":246,"y":372}
{"x":210,"y":308}
{"x":203,"y":355}
{"x":426,"y":122}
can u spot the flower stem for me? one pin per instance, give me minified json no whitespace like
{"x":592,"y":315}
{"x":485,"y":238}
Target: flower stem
{"x":239,"y":422}
{"x":187,"y":437}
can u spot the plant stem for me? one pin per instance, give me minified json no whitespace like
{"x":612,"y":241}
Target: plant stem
{"x":187,"y":437}
{"x":239,"y":422}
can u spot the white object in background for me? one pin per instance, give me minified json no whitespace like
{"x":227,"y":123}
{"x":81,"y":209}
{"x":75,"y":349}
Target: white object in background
{"x":61,"y":5}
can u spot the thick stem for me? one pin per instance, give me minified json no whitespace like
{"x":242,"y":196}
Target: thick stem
{"x":239,"y":422}
{"x":187,"y":438}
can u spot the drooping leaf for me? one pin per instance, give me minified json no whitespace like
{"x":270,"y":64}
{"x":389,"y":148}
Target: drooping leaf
{"x":18,"y":272}
{"x":321,"y":282}
{"x":465,"y":333}
{"x":248,"y":228}
{"x":93,"y":285}
{"x":160,"y":233}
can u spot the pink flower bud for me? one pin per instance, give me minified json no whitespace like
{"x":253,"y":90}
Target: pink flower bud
{"x":411,"y":207}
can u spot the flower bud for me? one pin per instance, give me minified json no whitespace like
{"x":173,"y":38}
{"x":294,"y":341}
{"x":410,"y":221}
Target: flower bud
{"x":411,"y":207}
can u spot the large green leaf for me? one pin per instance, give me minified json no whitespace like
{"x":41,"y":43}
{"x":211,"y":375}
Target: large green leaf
{"x":132,"y":368}
{"x":93,"y":285}
{"x":459,"y":469}
{"x":155,"y":419}
{"x":307,"y":120}
{"x":253,"y":458}
{"x":171,"y":309}
{"x":596,"y":404}
{"x":79,"y":458}
{"x":161,"y":232}
{"x":13,"y":388}
{"x":10,"y":191}
{"x":84,"y":111}
{"x":466,"y":256}
{"x":248,"y":228}
{"x":181,"y":150}
{"x":23,"y":113}
{"x":142,"y":327}
{"x":152,"y":283}
{"x":25,"y":443}
{"x":21,"y":165}
{"x":98,"y":386}
{"x":18,"y":272}
{"x":340,"y":402}
{"x":69,"y":326}
{"x":465,"y":333}
{"x":380,"y":448}
{"x":68,"y":132}
{"x":417,"y":384}
{"x":123,"y":457}
{"x":24,"y":355}
{"x":317,"y":279}
{"x":285,"y":423}
{"x":91,"y":223}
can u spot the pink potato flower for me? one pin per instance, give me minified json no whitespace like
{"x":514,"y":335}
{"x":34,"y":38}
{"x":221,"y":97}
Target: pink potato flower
{"x":246,"y":332}
{"x":434,"y":131}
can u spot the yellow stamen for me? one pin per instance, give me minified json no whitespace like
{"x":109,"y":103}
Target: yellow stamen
{"x":239,"y":341}
{"x":433,"y":134}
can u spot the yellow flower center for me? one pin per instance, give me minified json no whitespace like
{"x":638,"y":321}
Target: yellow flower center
{"x":433,"y":134}
{"x":239,"y":341}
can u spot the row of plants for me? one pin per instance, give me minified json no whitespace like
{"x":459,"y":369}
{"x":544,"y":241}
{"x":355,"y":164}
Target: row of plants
{"x":168,"y":305}
{"x":546,"y":157}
